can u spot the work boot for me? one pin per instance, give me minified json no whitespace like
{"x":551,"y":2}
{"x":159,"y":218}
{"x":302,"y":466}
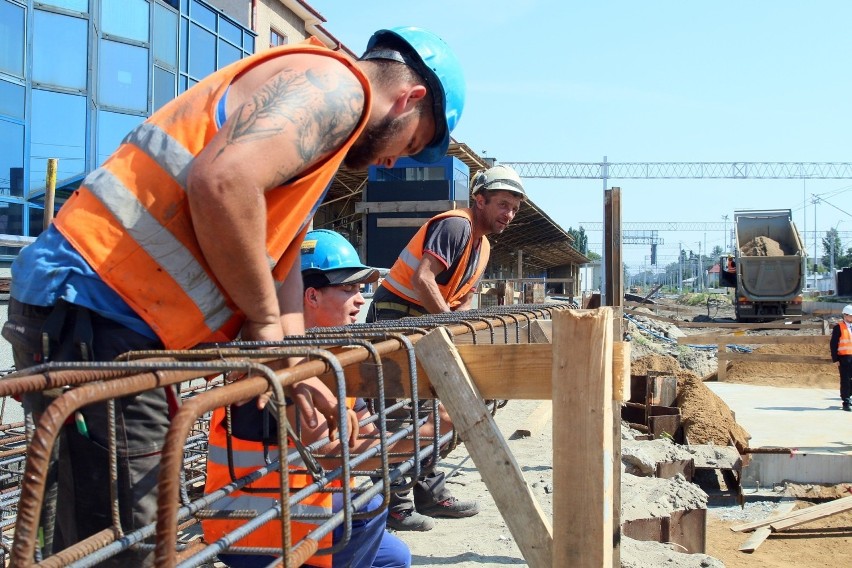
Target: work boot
{"x":450,"y":507}
{"x":409,"y":520}
{"x":847,"y":406}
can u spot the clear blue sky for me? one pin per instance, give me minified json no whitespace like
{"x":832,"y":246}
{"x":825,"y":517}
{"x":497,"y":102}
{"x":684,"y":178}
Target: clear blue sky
{"x":652,"y":81}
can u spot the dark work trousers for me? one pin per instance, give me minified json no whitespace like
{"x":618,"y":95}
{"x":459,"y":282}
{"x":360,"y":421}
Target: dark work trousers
{"x":83,"y":505}
{"x":430,"y":487}
{"x":845,"y":369}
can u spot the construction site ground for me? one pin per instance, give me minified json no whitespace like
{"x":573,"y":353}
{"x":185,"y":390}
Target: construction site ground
{"x":484,"y":540}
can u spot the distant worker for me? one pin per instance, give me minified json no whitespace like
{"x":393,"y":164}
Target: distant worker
{"x":332,"y":275}
{"x":437,"y":272}
{"x":841,"y":353}
{"x":190,"y":231}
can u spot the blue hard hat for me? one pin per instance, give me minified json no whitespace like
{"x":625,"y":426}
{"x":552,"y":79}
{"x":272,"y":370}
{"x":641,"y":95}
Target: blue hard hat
{"x":433,"y":60}
{"x":328,"y":254}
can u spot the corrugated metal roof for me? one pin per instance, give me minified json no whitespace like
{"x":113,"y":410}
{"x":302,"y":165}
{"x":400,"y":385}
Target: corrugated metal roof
{"x":544,"y":243}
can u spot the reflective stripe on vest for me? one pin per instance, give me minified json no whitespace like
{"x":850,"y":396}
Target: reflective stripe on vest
{"x":130,"y":218}
{"x":844,"y":347}
{"x":402,"y":272}
{"x":248,"y":457}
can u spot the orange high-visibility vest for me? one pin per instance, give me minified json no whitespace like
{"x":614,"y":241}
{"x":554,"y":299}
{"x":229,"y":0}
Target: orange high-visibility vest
{"x":844,"y":346}
{"x":247,"y":458}
{"x":401,"y":273}
{"x":130,"y":218}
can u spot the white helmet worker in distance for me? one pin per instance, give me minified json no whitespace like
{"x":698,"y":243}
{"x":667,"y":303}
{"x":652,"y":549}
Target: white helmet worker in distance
{"x":498,"y":178}
{"x":847,"y":310}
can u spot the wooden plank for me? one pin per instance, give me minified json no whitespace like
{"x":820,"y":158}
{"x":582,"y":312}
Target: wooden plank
{"x":709,"y":339}
{"x":503,"y":372}
{"x":761,"y":534}
{"x":489,"y":450}
{"x":775,"y":358}
{"x":740,"y":326}
{"x":584,"y":468}
{"x":408,"y":206}
{"x":401,"y":221}
{"x":536,"y":421}
{"x":621,"y":371}
{"x":813,"y":513}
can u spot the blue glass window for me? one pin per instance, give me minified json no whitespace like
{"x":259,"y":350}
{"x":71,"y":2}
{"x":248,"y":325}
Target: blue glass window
{"x":228,"y":54}
{"x":11,"y":159}
{"x":164,"y":87}
{"x":12,"y":99}
{"x":248,"y":43}
{"x":36,"y":220}
{"x":123,"y":77}
{"x":11,"y":38}
{"x":67,"y":144}
{"x":11,"y":218}
{"x":128,"y":19}
{"x":58,"y":38}
{"x":182,"y":46}
{"x":76,"y":5}
{"x":202,"y":52}
{"x":230,"y":32}
{"x":165,"y":36}
{"x":203,"y":15}
{"x":112,"y":128}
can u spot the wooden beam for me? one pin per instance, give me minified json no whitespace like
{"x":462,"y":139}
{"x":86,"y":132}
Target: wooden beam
{"x":408,"y":206}
{"x":761,"y":534}
{"x":740,"y":326}
{"x":713,"y":338}
{"x":401,"y":221}
{"x":489,"y":450}
{"x":775,"y":358}
{"x":812,"y":514}
{"x":782,"y":511}
{"x":519,"y":371}
{"x":584,"y":466}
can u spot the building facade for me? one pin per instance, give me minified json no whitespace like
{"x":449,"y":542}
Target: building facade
{"x":77,"y":75}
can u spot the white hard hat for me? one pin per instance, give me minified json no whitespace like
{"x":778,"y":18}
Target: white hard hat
{"x":499,"y":178}
{"x":847,"y":310}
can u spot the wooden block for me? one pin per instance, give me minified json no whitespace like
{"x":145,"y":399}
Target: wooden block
{"x":813,"y":513}
{"x":499,"y":470}
{"x":621,"y":371}
{"x":584,"y":470}
{"x":761,"y":534}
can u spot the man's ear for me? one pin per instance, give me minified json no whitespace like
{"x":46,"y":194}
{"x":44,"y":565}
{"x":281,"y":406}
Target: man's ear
{"x":311,"y":297}
{"x":480,"y":200}
{"x":408,"y":99}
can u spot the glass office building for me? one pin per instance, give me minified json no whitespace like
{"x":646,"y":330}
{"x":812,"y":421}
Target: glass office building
{"x":77,"y":75}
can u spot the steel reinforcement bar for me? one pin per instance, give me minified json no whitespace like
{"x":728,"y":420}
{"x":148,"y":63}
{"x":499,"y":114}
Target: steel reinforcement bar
{"x":327,"y":353}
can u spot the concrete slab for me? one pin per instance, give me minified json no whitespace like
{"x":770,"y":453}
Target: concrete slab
{"x":808,"y":421}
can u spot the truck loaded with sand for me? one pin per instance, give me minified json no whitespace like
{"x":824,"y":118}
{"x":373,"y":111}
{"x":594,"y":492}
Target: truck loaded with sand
{"x":768,"y":266}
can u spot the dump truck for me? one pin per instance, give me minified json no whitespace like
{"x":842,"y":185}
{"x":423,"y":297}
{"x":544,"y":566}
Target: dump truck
{"x":767,"y":267}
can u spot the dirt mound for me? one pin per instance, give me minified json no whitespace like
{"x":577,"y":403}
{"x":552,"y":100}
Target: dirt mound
{"x":706,"y":418}
{"x":762,"y":246}
{"x":659,"y":362}
{"x":785,"y":374}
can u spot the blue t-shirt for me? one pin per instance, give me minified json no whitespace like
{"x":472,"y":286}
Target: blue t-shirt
{"x":50,"y":269}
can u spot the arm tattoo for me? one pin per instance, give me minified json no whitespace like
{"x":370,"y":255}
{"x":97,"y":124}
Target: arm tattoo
{"x":321,"y":108}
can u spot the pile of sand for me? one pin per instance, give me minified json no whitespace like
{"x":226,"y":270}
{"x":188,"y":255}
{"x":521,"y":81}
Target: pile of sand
{"x":762,"y":246}
{"x":822,"y":376}
{"x":705,"y":417}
